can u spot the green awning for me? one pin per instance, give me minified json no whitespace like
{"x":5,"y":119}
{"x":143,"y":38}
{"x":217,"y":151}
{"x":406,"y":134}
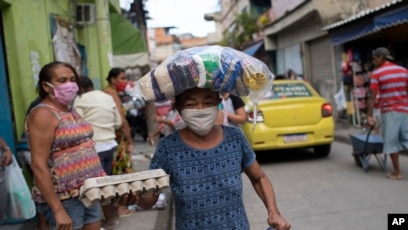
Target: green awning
{"x":128,"y":46}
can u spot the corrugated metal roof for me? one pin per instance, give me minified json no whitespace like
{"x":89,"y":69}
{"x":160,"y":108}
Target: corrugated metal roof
{"x":362,"y":14}
{"x":369,"y":25}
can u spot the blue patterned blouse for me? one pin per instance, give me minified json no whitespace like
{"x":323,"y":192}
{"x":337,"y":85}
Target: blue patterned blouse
{"x":206,"y":183}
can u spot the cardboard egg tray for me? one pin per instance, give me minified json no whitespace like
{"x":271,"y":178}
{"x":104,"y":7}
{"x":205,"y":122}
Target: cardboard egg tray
{"x":104,"y":189}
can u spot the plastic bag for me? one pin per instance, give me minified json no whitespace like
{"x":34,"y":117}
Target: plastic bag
{"x":20,"y":205}
{"x":340,"y":99}
{"x":222,"y":69}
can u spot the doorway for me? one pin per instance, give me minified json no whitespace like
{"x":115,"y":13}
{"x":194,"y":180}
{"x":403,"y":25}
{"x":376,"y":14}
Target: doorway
{"x":6,"y":120}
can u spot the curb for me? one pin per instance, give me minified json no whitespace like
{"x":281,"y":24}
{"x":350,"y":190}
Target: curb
{"x":343,"y":139}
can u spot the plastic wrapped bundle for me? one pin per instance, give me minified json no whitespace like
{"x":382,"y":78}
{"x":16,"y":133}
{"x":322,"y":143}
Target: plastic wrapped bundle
{"x":222,"y":69}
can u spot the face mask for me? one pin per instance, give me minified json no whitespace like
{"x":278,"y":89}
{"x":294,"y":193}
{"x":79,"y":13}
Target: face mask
{"x":121,"y":86}
{"x":200,"y":121}
{"x":64,"y":93}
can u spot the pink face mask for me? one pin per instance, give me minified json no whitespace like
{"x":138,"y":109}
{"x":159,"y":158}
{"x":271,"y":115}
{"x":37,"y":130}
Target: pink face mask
{"x":64,"y":93}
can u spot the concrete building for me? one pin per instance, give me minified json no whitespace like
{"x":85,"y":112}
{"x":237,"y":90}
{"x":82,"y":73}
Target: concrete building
{"x":229,"y":9}
{"x":162,"y":44}
{"x":381,"y":23}
{"x":189,"y":41}
{"x":313,"y":37}
{"x":317,"y":38}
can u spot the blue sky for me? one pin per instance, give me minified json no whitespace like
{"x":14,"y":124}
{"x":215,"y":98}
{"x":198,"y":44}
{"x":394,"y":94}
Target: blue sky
{"x":186,"y":15}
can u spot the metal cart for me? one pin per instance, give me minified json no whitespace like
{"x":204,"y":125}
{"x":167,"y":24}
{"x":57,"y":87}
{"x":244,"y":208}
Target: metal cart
{"x":366,"y":145}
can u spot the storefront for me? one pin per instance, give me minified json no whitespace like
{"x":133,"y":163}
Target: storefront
{"x":355,"y":38}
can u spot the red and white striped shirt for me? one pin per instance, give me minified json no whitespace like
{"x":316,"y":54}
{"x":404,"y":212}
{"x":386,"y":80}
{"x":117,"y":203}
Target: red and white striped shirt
{"x":391,"y":81}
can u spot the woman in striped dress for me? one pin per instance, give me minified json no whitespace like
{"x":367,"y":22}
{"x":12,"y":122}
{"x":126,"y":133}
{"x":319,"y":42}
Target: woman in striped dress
{"x":62,"y":151}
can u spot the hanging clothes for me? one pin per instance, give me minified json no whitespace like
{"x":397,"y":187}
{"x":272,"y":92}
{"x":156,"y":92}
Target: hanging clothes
{"x":65,"y":47}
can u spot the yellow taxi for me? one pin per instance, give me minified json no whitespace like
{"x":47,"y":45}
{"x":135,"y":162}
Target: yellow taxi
{"x":292,"y":115}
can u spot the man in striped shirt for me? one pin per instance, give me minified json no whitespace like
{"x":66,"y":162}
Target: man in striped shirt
{"x":391,"y":82}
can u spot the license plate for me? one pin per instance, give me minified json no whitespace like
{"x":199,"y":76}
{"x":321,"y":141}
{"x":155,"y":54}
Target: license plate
{"x":295,"y":138}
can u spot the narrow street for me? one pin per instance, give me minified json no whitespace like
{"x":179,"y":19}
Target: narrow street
{"x":328,"y":193}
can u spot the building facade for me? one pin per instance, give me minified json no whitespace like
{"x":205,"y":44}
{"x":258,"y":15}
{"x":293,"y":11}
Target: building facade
{"x":321,"y":39}
{"x":36,"y":32}
{"x":382,"y":24}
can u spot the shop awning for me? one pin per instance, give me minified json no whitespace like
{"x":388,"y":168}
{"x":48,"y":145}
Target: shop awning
{"x":128,"y":46}
{"x":352,"y":29}
{"x":253,"y":49}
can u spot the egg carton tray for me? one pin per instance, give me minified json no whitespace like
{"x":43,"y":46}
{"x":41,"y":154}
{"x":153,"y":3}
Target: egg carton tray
{"x":104,"y":189}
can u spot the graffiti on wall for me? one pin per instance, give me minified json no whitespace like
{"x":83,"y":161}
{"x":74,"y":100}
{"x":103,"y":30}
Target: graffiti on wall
{"x":35,"y":65}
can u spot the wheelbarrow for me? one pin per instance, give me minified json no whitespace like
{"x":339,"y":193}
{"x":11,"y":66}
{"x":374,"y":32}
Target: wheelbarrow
{"x":366,"y":145}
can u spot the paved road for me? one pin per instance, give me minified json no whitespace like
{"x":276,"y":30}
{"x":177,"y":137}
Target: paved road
{"x":328,"y":193}
{"x":314,"y":193}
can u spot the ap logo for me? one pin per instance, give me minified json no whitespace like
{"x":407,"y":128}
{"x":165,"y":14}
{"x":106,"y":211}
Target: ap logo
{"x":397,"y":221}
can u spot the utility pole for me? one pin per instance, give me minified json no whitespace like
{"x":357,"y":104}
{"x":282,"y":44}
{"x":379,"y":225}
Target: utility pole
{"x":141,"y":15}
{"x":140,"y":18}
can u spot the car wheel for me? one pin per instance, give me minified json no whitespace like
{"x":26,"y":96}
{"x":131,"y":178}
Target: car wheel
{"x":322,"y":150}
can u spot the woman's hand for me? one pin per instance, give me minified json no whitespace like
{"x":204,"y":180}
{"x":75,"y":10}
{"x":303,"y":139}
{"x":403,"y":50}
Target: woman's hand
{"x":371,"y":121}
{"x":64,"y":222}
{"x":129,"y":149}
{"x":7,"y":157}
{"x":278,"y":222}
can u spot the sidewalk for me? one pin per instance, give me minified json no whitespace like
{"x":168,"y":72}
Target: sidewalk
{"x":153,"y":219}
{"x":342,"y":133}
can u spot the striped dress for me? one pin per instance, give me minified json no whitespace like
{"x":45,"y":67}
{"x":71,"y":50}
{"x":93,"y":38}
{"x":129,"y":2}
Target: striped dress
{"x":73,"y":157}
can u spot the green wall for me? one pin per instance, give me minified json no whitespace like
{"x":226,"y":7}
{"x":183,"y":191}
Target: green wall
{"x":28,"y":45}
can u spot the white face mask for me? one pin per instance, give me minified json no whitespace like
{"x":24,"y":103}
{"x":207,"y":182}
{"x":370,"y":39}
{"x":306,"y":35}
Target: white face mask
{"x":200,"y":121}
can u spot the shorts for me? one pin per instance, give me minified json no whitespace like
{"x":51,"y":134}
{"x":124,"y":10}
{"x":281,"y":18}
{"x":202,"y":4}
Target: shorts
{"x":394,"y":131}
{"x":106,"y":158}
{"x":80,"y":215}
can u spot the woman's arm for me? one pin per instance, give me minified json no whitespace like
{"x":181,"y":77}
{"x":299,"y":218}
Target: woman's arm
{"x":239,"y":117}
{"x":264,"y":189}
{"x":165,"y":122}
{"x":125,"y":125}
{"x":239,"y":108}
{"x":7,"y":158}
{"x":42,"y":124}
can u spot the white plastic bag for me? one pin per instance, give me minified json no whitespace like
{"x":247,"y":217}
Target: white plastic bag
{"x":340,"y":99}
{"x":20,"y":205}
